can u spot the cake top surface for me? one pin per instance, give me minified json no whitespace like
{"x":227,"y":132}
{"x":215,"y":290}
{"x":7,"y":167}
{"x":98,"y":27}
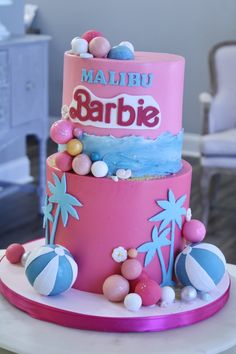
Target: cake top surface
{"x":139,"y":56}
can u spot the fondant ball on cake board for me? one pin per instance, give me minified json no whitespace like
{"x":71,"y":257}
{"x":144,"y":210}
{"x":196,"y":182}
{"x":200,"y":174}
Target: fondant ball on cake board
{"x":133,"y":302}
{"x":51,"y":270}
{"x":149,"y":290}
{"x":115,"y":288}
{"x":200,"y":265}
{"x":14,"y":252}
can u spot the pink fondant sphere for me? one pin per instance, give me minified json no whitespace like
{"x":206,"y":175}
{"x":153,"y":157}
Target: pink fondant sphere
{"x":131,"y":269}
{"x":115,"y":288}
{"x":77,"y":132}
{"x":134,"y":282}
{"x":149,"y":291}
{"x":132,"y":253}
{"x":89,"y":35}
{"x":81,"y":164}
{"x":14,"y":252}
{"x":63,"y":161}
{"x":99,"y":47}
{"x":194,"y":231}
{"x":61,"y":131}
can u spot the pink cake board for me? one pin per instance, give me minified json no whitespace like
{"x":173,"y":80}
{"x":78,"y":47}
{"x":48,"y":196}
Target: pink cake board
{"x":89,"y":311}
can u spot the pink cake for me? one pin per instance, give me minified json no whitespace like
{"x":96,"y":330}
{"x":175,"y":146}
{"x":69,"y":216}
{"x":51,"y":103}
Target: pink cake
{"x":139,"y":109}
{"x":117,"y":218}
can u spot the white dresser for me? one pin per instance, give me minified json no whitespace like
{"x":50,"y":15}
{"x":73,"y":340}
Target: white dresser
{"x":24,"y":95}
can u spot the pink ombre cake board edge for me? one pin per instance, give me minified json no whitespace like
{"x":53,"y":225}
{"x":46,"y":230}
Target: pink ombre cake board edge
{"x":82,"y":310}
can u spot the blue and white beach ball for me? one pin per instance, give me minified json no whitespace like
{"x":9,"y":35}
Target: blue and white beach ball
{"x":200,"y":265}
{"x":51,"y":269}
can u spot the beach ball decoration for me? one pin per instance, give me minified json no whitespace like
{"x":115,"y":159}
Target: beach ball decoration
{"x":200,"y":265}
{"x":51,"y":270}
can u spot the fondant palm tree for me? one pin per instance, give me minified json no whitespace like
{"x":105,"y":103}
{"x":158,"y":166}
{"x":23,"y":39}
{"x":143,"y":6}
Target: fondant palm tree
{"x":151,"y":248}
{"x":172,"y":213}
{"x":47,"y":208}
{"x":64,"y":201}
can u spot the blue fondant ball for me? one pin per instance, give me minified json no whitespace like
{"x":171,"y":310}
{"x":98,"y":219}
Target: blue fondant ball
{"x":95,"y":156}
{"x":120,"y":52}
{"x":51,"y":270}
{"x":200,"y":265}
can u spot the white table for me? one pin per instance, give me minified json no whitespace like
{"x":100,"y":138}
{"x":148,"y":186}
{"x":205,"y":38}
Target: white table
{"x":22,"y":334}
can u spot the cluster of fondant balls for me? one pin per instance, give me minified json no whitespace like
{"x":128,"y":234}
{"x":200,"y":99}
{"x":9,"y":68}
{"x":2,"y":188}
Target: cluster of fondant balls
{"x":93,"y":44}
{"x":71,"y":155}
{"x":133,"y":286}
{"x":15,"y":253}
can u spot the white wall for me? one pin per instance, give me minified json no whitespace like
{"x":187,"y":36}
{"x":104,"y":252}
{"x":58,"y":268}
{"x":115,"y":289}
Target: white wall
{"x":186,"y":27}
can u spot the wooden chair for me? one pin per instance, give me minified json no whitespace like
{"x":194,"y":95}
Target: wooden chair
{"x":218,"y":144}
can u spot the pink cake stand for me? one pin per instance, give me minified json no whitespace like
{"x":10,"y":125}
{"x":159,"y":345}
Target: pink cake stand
{"x":89,"y":311}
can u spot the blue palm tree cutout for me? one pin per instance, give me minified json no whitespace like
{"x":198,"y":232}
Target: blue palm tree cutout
{"x":65,"y":203}
{"x":172,"y":214}
{"x":47,"y":208}
{"x":151,"y":248}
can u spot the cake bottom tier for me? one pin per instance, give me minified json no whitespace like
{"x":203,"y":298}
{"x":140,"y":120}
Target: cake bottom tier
{"x":92,"y":217}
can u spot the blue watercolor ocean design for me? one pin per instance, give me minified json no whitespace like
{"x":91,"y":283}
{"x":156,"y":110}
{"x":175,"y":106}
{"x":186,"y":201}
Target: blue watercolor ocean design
{"x":144,"y":156}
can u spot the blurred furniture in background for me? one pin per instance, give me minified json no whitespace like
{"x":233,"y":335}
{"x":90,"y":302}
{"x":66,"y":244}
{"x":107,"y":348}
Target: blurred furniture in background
{"x":24,"y":98}
{"x":218,"y":145}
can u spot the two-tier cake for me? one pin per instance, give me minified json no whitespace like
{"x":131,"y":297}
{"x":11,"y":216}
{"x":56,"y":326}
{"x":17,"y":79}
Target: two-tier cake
{"x":117,"y":207}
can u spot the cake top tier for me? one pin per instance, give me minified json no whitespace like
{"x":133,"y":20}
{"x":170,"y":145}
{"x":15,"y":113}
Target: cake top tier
{"x":140,"y":97}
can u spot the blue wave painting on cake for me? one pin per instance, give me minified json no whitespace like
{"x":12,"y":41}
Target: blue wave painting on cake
{"x":138,"y":153}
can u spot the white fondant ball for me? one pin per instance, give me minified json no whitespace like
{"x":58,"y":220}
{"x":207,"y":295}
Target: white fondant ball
{"x":133,"y":302}
{"x":99,"y":169}
{"x":24,"y":258}
{"x":167,"y":294}
{"x":127,"y":44}
{"x":188,"y":293}
{"x":79,"y":45}
{"x":86,"y":55}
